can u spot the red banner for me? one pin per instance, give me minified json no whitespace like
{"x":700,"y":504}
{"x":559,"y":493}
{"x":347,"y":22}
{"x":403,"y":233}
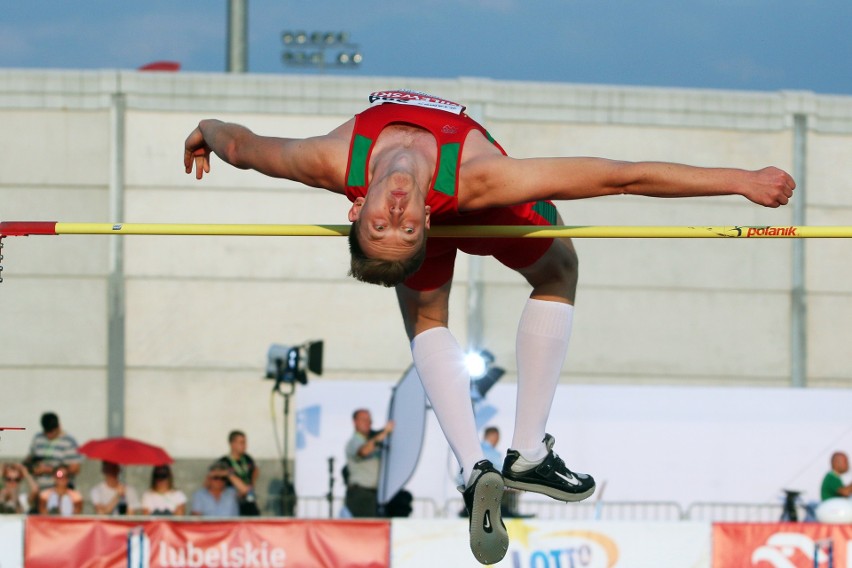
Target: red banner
{"x":53,"y":542}
{"x":781,"y":545}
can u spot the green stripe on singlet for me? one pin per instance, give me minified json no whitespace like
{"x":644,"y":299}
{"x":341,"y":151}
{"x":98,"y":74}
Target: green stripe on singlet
{"x":546,"y":210}
{"x":490,"y":138}
{"x":358,"y":161}
{"x":448,"y":161}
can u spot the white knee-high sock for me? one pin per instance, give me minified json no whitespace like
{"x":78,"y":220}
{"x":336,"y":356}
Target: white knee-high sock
{"x":541,"y":346}
{"x":440,"y":363}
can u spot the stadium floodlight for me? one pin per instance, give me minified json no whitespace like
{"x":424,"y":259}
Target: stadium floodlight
{"x":320,"y":50}
{"x":290,"y":364}
{"x":477,"y":363}
{"x":484,"y":374}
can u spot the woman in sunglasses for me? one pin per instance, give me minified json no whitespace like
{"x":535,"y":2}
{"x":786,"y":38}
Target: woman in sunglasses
{"x":162,"y":498}
{"x":19,"y":491}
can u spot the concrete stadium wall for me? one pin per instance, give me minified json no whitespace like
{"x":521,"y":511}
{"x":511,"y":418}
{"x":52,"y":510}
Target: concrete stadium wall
{"x":199,"y":313}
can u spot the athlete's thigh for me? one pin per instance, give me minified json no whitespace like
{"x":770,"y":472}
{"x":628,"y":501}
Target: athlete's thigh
{"x":423,"y":309}
{"x":554,"y":275}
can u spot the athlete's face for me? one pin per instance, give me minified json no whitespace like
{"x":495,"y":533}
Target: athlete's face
{"x":393,"y":218}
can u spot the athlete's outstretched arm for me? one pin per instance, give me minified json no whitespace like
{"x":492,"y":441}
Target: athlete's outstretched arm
{"x":499,"y":180}
{"x":318,"y":161}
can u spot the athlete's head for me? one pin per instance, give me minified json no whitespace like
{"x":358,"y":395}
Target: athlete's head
{"x":387,"y":240}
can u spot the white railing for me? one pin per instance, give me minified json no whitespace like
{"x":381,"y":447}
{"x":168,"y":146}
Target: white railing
{"x":740,"y":512}
{"x":315,"y":507}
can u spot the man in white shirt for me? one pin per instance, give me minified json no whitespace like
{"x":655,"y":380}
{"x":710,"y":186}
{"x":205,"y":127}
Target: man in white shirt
{"x":362,"y":461}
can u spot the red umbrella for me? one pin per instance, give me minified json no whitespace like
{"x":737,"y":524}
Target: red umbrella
{"x":125,"y":451}
{"x":161,"y":66}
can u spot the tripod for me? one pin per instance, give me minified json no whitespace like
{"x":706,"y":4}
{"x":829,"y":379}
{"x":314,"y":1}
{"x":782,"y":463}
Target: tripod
{"x":288,"y":493}
{"x":789,"y":514}
{"x":330,"y":495}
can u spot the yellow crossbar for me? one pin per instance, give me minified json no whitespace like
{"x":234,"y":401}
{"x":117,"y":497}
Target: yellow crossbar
{"x":22,"y":228}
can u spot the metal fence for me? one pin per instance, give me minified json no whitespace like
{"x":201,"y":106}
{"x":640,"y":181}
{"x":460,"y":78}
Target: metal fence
{"x":740,"y":512}
{"x":587,"y":511}
{"x":602,"y":510}
{"x":317,"y":507}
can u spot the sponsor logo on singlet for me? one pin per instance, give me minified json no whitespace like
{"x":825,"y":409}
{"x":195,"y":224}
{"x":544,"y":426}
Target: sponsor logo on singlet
{"x":416,"y":98}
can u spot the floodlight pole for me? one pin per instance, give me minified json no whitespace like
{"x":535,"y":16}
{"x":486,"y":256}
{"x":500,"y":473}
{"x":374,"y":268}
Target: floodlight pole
{"x":237,"y":36}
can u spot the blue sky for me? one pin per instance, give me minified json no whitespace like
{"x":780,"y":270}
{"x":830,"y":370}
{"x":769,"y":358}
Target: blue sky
{"x":759,"y":45}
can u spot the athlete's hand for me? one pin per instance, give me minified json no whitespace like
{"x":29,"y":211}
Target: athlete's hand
{"x":196,"y":151}
{"x":770,"y":187}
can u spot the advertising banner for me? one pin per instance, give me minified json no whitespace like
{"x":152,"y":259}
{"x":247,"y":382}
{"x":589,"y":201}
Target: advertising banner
{"x":554,"y":544}
{"x":781,"y":545}
{"x":11,"y":541}
{"x":53,"y":542}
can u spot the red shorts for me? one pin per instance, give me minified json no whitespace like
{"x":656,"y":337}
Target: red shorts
{"x":516,"y":253}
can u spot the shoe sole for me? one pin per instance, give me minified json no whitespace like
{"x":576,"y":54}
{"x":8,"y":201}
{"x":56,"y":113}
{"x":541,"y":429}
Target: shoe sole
{"x":549,"y":491}
{"x":488,"y":547}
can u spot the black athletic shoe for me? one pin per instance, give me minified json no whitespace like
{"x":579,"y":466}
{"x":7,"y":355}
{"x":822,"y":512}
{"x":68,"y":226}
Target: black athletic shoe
{"x":550,"y":477}
{"x":488,"y":537}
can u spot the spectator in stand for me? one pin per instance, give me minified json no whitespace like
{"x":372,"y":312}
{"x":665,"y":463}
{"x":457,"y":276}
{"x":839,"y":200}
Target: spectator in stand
{"x":217,"y":498}
{"x":111,"y":496}
{"x":60,"y":499}
{"x":832,"y":483}
{"x":14,"y":499}
{"x":490,"y":439}
{"x":242,"y":465}
{"x":51,"y":448}
{"x":509,"y":501}
{"x":162,"y":498}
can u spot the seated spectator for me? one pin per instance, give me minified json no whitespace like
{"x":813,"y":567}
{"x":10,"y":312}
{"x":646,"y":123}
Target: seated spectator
{"x":51,"y":448}
{"x":217,"y":498}
{"x":60,"y":499}
{"x":14,"y":497}
{"x":111,"y":496}
{"x":490,"y":439}
{"x":162,"y":498}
